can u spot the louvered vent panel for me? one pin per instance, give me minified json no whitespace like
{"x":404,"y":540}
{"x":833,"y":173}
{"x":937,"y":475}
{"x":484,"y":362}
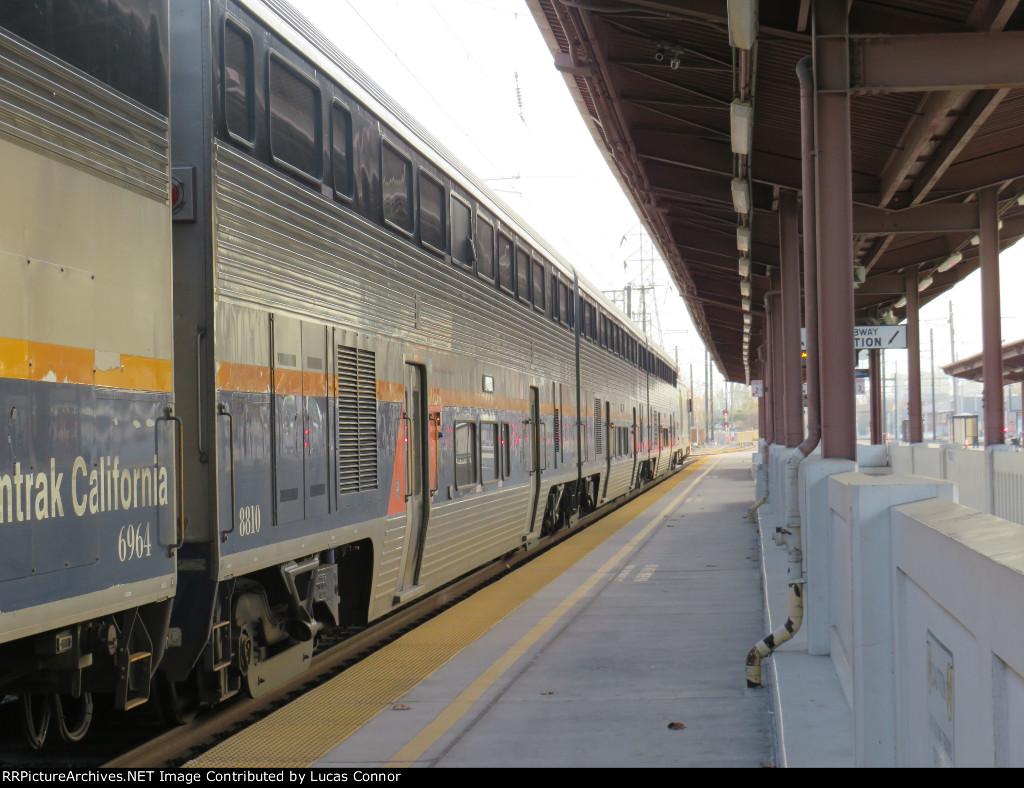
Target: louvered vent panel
{"x":558,"y":431}
{"x":598,"y":431}
{"x":357,"y":420}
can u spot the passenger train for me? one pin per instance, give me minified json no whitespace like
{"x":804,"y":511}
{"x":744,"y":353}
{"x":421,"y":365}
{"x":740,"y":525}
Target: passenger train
{"x":271,"y":360}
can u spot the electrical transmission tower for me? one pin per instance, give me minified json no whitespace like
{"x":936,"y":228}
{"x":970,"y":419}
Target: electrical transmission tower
{"x":639,"y":298}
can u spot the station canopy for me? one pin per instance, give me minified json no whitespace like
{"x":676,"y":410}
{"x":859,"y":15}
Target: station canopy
{"x":657,"y":82}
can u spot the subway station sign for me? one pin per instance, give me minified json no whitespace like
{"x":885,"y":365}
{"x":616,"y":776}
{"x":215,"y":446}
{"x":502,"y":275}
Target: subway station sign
{"x":879,"y":337}
{"x":871,"y":338}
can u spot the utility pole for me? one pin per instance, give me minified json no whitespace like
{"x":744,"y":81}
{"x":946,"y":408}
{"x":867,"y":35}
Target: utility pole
{"x":707,"y":398}
{"x":931,"y":339}
{"x":952,"y":353}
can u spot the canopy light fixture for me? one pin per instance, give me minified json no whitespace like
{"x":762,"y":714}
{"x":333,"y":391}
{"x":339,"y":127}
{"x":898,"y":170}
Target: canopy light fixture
{"x":743,"y":239}
{"x":949,"y":262}
{"x":745,"y":267}
{"x":740,"y":196}
{"x":741,"y":126}
{"x":745,"y":303}
{"x":742,"y":23}
{"x":902,"y":302}
{"x":745,"y":288}
{"x":924,"y":284}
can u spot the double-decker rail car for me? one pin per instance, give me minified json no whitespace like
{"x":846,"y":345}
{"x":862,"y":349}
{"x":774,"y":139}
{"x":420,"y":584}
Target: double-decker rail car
{"x":382,"y":377}
{"x":392,"y":378}
{"x":88,"y":472}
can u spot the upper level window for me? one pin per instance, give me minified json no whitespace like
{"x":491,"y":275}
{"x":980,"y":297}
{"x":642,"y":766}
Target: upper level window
{"x":341,"y":149}
{"x":431,"y":212}
{"x":523,"y":272}
{"x":563,"y":303}
{"x":462,"y":232}
{"x":238,"y":82}
{"x":506,"y":263}
{"x":484,"y":248}
{"x":294,"y":118}
{"x":538,"y":284}
{"x":396,"y":188}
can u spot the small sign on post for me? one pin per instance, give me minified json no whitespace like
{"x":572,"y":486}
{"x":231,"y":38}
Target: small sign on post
{"x":757,"y":388}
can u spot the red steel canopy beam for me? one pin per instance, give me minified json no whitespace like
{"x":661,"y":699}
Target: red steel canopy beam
{"x":951,"y":61}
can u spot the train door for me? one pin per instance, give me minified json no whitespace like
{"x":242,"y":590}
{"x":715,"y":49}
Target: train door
{"x":611,"y":444}
{"x":635,"y":440}
{"x":415,"y":423}
{"x":315,"y":419}
{"x":537,"y":452}
{"x":287,"y":453}
{"x":556,"y":401}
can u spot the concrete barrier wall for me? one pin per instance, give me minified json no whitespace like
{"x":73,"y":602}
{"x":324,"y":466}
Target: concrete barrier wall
{"x":958,"y":582}
{"x":966,"y":469}
{"x":901,"y":458}
{"x":863,"y":619}
{"x":1008,"y":485}
{"x":990,"y":480}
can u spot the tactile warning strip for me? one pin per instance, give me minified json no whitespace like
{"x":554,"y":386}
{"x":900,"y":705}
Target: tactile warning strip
{"x":302,"y":732}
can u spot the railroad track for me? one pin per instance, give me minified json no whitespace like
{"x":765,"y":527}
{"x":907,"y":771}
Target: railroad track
{"x":176,"y":746}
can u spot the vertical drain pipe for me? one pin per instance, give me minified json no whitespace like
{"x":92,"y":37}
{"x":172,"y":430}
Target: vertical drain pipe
{"x":789,"y":534}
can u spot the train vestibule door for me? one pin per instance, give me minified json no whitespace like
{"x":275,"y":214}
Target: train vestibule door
{"x":417,"y":452}
{"x":537,"y":448}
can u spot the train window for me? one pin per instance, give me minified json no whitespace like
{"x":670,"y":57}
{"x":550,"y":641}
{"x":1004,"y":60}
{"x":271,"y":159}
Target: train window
{"x":490,"y":458}
{"x":465,"y":454}
{"x":563,"y":302}
{"x":538,"y":285}
{"x":506,"y":263}
{"x":523,"y":273}
{"x":432,"y":229}
{"x":295,"y":126}
{"x":341,"y":150}
{"x":570,"y":301}
{"x":462,"y":233}
{"x":484,"y":248}
{"x":506,"y":451}
{"x":554,"y":296}
{"x":396,"y":188}
{"x":238,"y":82}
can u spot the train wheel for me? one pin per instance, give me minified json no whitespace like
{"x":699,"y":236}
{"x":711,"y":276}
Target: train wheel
{"x":177,"y":702}
{"x":74,"y":716}
{"x":36,"y":713}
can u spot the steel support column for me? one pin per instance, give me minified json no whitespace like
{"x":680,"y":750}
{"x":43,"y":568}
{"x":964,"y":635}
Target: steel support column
{"x":763,"y":430}
{"x":788,"y":347}
{"x":914,"y":428}
{"x":991,"y":329}
{"x":775,"y":355}
{"x":835,"y":230}
{"x":875,"y":371}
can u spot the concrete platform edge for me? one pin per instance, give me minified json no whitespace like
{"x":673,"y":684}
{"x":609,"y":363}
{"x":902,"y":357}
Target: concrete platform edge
{"x":812,"y":720}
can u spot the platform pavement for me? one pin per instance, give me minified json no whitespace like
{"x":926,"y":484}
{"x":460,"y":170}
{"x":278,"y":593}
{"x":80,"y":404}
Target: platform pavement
{"x":660,"y":638}
{"x":813,"y":722}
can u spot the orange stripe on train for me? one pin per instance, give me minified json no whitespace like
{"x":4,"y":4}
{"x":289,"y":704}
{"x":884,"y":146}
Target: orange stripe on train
{"x":41,"y":361}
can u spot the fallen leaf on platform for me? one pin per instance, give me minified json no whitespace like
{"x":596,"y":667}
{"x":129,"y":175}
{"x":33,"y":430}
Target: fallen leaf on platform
{"x":401,"y":707}
{"x":676,"y":726}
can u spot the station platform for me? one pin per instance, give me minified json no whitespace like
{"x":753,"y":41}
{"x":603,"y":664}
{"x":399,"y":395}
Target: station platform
{"x":621,"y":647}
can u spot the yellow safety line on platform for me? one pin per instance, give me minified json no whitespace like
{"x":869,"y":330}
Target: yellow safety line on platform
{"x":302,"y":732}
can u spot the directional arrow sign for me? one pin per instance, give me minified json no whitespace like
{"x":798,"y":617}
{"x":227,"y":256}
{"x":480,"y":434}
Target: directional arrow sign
{"x":879,"y":337}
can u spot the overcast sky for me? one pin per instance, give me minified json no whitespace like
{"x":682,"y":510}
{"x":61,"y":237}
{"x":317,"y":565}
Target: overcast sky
{"x":479,"y":76}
